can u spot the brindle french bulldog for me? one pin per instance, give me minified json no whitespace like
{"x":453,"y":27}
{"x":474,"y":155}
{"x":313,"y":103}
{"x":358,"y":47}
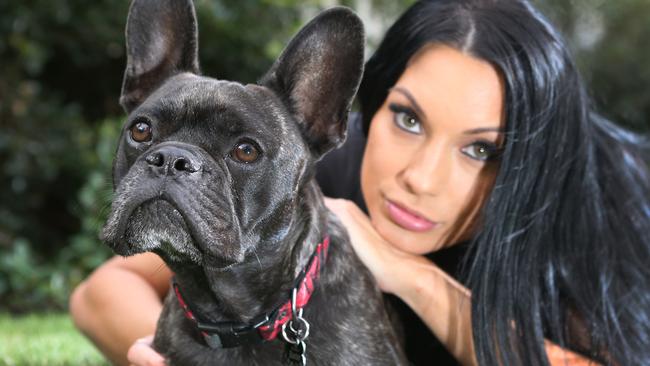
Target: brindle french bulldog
{"x":217,"y":178}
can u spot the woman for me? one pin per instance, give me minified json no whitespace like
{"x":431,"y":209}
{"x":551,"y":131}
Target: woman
{"x":481,"y":145}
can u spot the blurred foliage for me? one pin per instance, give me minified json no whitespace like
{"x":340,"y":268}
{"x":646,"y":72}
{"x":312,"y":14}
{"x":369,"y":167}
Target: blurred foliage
{"x":40,"y":266}
{"x":609,"y":41}
{"x":60,"y":76}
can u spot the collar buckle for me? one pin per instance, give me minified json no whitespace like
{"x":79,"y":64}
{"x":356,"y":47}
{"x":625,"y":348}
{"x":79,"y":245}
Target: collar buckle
{"x":266,"y":326}
{"x":232,"y":334}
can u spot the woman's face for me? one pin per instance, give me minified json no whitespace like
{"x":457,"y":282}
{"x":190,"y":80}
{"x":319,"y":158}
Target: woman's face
{"x":432,"y":151}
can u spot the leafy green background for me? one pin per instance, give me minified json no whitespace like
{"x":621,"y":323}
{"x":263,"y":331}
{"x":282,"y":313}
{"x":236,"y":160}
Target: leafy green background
{"x":61,"y":64}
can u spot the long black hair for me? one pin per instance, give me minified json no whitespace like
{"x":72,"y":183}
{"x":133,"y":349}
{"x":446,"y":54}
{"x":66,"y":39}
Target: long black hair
{"x":563,"y":248}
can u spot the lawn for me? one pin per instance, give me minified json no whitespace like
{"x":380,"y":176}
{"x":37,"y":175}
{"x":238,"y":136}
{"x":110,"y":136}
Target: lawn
{"x":44,"y":340}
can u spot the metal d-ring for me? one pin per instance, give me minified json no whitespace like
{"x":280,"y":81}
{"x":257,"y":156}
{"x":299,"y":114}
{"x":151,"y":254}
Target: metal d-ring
{"x":297,"y":316}
{"x":293,"y":303}
{"x":286,"y":337}
{"x":296,"y":331}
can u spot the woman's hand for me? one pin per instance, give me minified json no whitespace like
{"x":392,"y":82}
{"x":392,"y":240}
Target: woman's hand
{"x":142,"y":353}
{"x":442,"y":303}
{"x":388,"y":264}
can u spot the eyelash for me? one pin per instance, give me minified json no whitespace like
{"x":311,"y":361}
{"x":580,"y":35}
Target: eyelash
{"x":399,"y":110}
{"x":493,"y":151}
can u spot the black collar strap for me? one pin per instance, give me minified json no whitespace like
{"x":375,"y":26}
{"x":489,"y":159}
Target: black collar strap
{"x":266,"y":326}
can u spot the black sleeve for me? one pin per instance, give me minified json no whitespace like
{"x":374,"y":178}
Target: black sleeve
{"x":338,"y":172}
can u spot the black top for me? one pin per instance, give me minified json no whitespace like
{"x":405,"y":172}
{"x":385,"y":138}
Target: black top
{"x":338,"y":175}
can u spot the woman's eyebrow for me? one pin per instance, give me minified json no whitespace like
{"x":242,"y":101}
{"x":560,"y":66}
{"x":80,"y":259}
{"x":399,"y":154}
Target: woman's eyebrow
{"x":484,"y":129}
{"x":411,"y":99}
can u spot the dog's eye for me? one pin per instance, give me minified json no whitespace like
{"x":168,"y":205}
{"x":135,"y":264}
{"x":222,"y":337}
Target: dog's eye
{"x":245,"y":152}
{"x":141,"y":132}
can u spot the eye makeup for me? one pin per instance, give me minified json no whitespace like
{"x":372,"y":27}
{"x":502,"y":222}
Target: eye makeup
{"x":405,"y":118}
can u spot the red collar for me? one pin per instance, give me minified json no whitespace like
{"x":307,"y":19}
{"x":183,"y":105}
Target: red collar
{"x":265,"y":327}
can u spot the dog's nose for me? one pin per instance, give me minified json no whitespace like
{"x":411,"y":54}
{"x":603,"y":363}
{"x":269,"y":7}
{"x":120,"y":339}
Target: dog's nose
{"x":170,"y":160}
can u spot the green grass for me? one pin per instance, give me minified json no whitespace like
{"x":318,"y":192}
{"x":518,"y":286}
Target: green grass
{"x":44,"y":340}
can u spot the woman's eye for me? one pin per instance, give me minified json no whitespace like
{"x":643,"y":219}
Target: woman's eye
{"x":245,"y":152}
{"x":482,"y":151}
{"x":141,"y":132}
{"x":406,"y":119}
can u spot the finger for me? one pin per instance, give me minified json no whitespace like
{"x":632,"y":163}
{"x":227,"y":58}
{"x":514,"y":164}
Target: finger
{"x":142,"y":354}
{"x":333,"y":204}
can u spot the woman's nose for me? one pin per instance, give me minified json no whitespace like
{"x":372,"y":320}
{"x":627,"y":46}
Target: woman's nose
{"x":428,"y":171}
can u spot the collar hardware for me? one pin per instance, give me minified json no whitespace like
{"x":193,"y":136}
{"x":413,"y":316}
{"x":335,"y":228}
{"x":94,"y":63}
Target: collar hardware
{"x":264,"y":327}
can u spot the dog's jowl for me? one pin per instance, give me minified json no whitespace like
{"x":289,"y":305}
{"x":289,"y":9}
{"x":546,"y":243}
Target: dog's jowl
{"x":217,"y":178}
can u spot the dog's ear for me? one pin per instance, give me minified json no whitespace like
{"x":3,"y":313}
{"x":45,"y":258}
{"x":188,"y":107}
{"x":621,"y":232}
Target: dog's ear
{"x":161,"y":41}
{"x":318,"y":74}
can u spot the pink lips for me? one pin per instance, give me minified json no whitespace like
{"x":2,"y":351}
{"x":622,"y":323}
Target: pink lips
{"x":409,"y":220}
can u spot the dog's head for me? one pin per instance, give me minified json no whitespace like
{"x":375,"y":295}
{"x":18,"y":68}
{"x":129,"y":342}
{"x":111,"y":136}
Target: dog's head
{"x":206,"y":169}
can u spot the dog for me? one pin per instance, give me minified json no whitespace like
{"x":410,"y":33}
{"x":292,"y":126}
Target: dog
{"x":217,"y":178}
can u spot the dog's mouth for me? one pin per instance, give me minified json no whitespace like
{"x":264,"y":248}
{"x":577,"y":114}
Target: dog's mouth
{"x":155,"y":225}
{"x":160,"y":226}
